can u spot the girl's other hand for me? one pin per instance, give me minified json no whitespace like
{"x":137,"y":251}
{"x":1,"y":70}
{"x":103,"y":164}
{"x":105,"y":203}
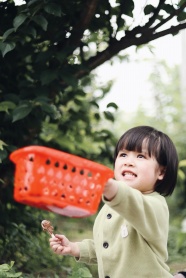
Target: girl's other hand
{"x":62,"y":246}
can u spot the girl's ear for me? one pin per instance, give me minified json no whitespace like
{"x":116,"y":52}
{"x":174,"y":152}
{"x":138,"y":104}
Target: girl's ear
{"x":162,"y":171}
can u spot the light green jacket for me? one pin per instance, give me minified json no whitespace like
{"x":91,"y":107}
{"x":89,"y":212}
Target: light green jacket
{"x":130,"y":236}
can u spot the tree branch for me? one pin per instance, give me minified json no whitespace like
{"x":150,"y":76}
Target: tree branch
{"x":172,"y":30}
{"x":124,"y":43}
{"x":155,"y":14}
{"x":176,"y":12}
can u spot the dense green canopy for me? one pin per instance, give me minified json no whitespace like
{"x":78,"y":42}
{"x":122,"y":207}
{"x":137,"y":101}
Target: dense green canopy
{"x":49,"y":46}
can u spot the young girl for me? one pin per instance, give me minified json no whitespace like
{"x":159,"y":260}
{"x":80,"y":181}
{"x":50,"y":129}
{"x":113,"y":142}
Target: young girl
{"x":131,"y":230}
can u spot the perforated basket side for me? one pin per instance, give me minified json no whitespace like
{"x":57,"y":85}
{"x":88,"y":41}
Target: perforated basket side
{"x":48,"y":178}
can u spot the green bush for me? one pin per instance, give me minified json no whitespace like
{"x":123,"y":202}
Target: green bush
{"x":7,"y":271}
{"x":176,"y":245}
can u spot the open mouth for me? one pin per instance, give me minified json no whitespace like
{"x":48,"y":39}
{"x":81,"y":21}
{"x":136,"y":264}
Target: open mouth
{"x":128,"y":174}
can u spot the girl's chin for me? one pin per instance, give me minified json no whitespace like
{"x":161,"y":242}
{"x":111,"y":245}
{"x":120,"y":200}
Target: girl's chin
{"x":128,"y":179}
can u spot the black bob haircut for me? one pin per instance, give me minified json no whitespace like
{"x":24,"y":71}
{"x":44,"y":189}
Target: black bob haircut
{"x":160,"y":146}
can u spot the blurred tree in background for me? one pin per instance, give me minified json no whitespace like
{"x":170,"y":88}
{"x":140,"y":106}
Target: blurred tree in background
{"x":48,"y":94}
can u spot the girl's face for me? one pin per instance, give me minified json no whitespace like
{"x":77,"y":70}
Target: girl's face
{"x":138,"y":170}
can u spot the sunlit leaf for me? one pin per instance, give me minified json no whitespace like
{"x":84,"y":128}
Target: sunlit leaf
{"x":84,"y":273}
{"x":6,"y":105}
{"x":182,"y":163}
{"x":181,"y":174}
{"x":14,"y":275}
{"x":4,"y":267}
{"x":2,"y":143}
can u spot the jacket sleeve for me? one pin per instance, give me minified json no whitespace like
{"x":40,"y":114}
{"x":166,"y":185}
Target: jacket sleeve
{"x":87,"y":252}
{"x":147,"y":213}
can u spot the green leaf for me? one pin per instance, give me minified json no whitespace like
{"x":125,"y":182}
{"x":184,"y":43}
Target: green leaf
{"x":19,"y":20}
{"x":181,"y":174}
{"x":71,"y":80}
{"x":41,"y":99}
{"x":7,"y":33}
{"x":84,"y":273}
{"x":50,"y":109}
{"x":78,"y":102}
{"x":112,"y":104}
{"x":11,"y":264}
{"x":97,"y":116}
{"x":5,"y":267}
{"x":32,"y":31}
{"x":47,"y":108}
{"x":94,"y":103}
{"x":21,"y":112}
{"x":41,"y":21}
{"x":127,"y":7}
{"x":48,"y":76}
{"x":53,"y":9}
{"x":31,"y":2}
{"x":109,"y":116}
{"x":6,"y":47}
{"x":11,"y":275}
{"x":149,"y":9}
{"x":2,"y":143}
{"x":181,"y":2}
{"x":168,"y":8}
{"x":182,"y":163}
{"x":3,"y":154}
{"x":181,"y":16}
{"x":160,"y":17}
{"x":6,"y":105}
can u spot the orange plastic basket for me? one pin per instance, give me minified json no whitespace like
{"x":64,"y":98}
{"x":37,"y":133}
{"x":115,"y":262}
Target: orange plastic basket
{"x":57,"y":181}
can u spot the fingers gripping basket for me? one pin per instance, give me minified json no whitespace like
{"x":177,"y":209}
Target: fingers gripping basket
{"x":59,"y":182}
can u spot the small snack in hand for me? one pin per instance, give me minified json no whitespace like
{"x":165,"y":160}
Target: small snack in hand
{"x":47,"y":227}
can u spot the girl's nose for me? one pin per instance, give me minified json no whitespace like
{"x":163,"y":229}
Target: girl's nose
{"x":129,"y":162}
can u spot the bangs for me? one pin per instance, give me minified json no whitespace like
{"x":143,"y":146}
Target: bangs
{"x":139,"y":139}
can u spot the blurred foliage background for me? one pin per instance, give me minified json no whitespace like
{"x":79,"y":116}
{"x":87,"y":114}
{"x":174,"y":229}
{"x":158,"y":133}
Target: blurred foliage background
{"x":48,"y":97}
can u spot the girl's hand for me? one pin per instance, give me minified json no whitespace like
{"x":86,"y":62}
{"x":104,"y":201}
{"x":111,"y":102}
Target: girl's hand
{"x":110,"y":190}
{"x":62,"y":246}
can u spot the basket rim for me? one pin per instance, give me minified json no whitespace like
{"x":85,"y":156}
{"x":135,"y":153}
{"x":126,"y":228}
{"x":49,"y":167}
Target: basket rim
{"x":58,"y":155}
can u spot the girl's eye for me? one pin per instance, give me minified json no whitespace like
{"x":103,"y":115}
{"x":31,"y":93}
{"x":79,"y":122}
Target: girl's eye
{"x":122,"y":155}
{"x":141,"y":156}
